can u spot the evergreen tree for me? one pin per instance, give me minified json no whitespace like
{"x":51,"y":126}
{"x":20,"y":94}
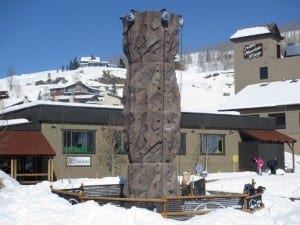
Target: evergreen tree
{"x":40,"y":96}
{"x":71,"y":65}
{"x":49,"y":78}
{"x":122,"y":63}
{"x":74,"y":64}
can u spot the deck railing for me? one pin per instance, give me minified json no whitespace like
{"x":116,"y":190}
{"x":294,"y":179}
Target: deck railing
{"x":30,"y":178}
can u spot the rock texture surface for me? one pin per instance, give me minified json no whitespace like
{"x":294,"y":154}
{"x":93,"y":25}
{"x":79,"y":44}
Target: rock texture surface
{"x":151,"y":104}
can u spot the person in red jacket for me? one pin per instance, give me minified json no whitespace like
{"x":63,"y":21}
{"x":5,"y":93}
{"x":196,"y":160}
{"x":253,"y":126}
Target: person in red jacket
{"x":259,"y":163}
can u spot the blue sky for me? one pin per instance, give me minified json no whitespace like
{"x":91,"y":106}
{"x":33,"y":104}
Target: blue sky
{"x":38,"y":35}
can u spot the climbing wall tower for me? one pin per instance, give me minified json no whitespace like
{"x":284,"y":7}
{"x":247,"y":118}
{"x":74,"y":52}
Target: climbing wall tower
{"x":151,"y":103}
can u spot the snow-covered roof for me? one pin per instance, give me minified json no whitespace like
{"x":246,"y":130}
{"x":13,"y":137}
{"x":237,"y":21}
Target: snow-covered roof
{"x":5,"y":123}
{"x":68,"y":84}
{"x":251,"y":31}
{"x":278,"y":93}
{"x":65,"y":104}
{"x":90,"y":59}
{"x":12,"y":101}
{"x":67,"y":97}
{"x":268,"y":29}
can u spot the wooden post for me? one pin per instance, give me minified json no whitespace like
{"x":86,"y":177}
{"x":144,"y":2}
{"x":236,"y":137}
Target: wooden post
{"x":81,"y":195}
{"x":164,"y":208}
{"x":293,"y":155}
{"x":12,"y":167}
{"x":50,"y":169}
{"x":15,"y":168}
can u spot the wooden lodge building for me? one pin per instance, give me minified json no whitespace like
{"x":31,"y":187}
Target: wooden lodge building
{"x":62,"y":140}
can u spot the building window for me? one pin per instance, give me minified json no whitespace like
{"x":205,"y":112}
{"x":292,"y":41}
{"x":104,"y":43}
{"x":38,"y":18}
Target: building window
{"x":119,"y":143}
{"x":263,"y":71}
{"x":78,"y":142}
{"x":280,"y":120}
{"x":182,"y":149}
{"x":213,"y":144}
{"x":278,"y":52}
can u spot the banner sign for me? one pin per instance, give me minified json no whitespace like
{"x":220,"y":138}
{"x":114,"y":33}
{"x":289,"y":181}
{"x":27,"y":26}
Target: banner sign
{"x":79,"y":161}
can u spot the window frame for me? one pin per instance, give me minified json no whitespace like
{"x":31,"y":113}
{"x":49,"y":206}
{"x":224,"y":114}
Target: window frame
{"x":182,"y":147}
{"x":278,"y":51}
{"x":263,"y":73}
{"x":89,"y":141}
{"x":203,"y":144}
{"x":280,"y":121}
{"x":119,"y":146}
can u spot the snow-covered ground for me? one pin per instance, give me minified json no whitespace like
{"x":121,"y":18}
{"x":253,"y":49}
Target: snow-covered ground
{"x":36,"y":205}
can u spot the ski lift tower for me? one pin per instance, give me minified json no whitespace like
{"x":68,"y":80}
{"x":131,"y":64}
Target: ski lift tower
{"x":151,"y":103}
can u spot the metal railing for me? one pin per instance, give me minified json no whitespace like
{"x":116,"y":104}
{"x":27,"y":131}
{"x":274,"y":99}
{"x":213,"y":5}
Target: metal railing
{"x":170,"y":207}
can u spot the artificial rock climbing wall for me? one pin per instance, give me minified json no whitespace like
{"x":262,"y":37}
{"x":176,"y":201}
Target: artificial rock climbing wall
{"x":151,"y":103}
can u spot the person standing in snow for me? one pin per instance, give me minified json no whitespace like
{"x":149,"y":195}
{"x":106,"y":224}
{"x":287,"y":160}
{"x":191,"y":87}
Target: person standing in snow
{"x":259,"y":163}
{"x":198,"y":168}
{"x":272,"y":164}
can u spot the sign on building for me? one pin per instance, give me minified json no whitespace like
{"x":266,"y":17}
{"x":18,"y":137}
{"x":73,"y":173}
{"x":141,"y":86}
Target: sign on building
{"x":253,"y":51}
{"x":79,"y":161}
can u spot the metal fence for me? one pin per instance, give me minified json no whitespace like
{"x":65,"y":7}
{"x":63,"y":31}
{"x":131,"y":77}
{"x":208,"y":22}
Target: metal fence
{"x":179,"y":207}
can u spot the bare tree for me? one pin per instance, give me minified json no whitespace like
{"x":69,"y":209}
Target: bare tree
{"x":10,"y":77}
{"x":112,"y":149}
{"x":113,"y":155}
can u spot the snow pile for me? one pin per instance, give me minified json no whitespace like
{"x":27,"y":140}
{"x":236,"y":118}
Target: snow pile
{"x":35,"y":204}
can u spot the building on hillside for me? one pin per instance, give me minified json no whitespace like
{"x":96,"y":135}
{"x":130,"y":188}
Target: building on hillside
{"x":259,"y":56}
{"x":76,"y":92}
{"x":92,"y":61}
{"x":86,"y":141}
{"x":3,"y":95}
{"x":82,"y":93}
